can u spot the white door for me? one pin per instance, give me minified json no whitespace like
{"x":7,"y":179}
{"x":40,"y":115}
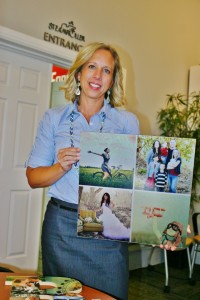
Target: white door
{"x":24,"y":96}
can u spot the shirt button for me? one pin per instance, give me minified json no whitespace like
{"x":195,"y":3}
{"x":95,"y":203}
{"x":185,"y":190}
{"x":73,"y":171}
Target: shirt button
{"x":91,"y":123}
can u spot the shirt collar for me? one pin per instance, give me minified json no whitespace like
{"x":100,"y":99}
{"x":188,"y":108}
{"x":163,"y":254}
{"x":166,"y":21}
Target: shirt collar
{"x":105,"y":109}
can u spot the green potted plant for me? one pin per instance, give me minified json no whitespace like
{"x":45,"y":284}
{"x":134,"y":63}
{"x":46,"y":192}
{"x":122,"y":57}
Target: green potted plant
{"x":181,"y":118}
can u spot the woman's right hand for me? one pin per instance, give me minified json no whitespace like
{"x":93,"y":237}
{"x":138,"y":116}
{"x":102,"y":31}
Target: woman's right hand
{"x":67,"y":157}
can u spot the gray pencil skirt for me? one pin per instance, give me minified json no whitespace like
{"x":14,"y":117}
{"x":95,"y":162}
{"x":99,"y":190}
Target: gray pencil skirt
{"x":100,"y":264}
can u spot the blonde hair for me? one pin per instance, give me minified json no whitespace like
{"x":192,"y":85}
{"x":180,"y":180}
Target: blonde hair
{"x":116,"y":92}
{"x":178,"y":153}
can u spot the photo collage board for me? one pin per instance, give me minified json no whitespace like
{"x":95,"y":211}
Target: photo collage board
{"x":135,"y":188}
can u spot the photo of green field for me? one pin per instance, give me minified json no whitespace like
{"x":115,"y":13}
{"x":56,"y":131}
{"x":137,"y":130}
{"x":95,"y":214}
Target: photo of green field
{"x":94,"y":177}
{"x":107,"y":160}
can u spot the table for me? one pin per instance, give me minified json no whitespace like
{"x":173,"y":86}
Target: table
{"x":87,"y":292}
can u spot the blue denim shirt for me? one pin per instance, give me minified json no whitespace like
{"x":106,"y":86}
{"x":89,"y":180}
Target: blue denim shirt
{"x":54,"y":134}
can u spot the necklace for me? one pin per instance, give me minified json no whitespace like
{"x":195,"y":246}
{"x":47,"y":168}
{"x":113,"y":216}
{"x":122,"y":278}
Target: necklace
{"x":71,"y":129}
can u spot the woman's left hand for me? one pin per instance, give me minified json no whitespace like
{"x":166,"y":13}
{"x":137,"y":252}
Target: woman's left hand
{"x":67,"y":157}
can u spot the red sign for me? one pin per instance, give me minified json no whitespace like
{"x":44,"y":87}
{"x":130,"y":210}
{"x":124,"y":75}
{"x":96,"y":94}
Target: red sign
{"x":58,"y":74}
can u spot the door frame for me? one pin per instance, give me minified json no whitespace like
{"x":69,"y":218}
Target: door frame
{"x":30,"y":46}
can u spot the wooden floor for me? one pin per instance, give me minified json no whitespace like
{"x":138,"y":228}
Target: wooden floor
{"x":147,"y":284}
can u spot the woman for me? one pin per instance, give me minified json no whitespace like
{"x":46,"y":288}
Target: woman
{"x":105,"y":200}
{"x":112,"y":227}
{"x":94,"y":86}
{"x":105,"y":166}
{"x":153,"y":163}
{"x":155,"y":151}
{"x":174,"y":170}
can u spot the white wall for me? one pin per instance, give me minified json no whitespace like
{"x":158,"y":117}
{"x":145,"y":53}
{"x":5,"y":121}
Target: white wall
{"x":158,"y":41}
